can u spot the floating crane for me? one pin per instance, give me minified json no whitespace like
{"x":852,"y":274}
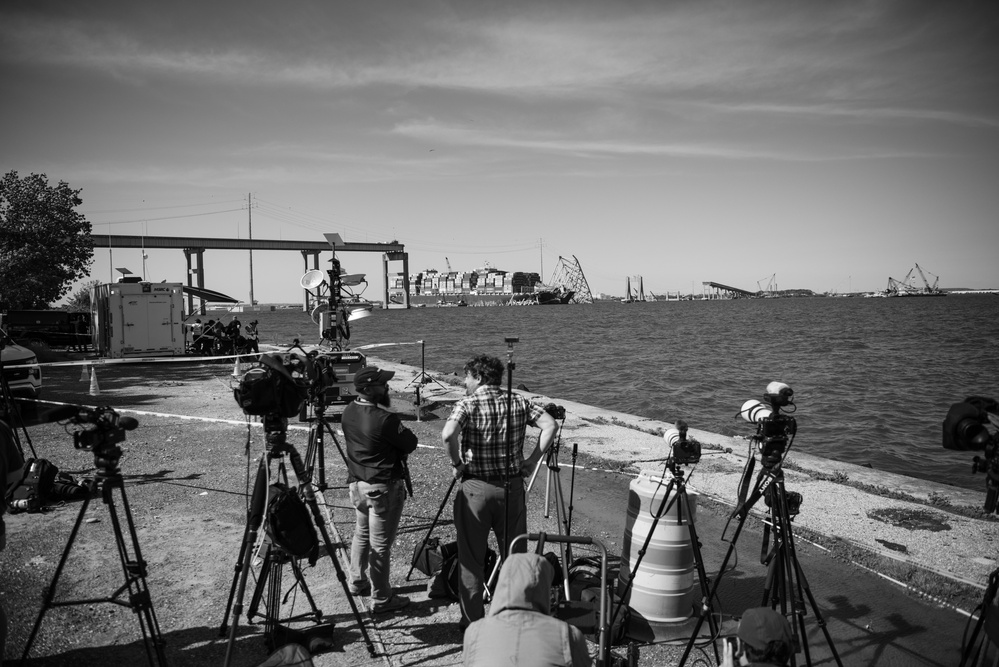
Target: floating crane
{"x":771,"y":288}
{"x":448,"y":262}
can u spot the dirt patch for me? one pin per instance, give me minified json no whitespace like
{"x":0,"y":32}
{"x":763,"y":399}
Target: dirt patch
{"x":910,"y":519}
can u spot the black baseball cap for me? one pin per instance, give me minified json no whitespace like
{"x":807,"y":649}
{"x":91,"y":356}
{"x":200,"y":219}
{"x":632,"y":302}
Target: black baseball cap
{"x":370,"y":376}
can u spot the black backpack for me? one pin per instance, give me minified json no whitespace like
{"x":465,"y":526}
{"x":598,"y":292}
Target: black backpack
{"x":29,"y":493}
{"x":289,"y":523}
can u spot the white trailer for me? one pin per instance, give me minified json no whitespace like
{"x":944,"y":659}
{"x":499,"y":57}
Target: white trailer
{"x":138,"y":319}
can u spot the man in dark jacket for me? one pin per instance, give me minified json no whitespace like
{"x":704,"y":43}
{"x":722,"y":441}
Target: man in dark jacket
{"x":518,"y":629}
{"x":377,"y":446}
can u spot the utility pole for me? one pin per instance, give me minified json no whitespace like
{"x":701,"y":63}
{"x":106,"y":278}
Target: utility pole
{"x":249,"y":217}
{"x":541,"y":248}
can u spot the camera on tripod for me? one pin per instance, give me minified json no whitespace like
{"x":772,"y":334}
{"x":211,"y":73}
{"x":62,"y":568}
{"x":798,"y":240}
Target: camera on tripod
{"x":278,"y":386}
{"x":966,"y":428}
{"x":683,"y":450}
{"x":774,"y":430}
{"x":106,"y":429}
{"x":556,"y":411}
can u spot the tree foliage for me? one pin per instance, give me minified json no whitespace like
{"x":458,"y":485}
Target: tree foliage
{"x":45,"y":245}
{"x":79,"y":302}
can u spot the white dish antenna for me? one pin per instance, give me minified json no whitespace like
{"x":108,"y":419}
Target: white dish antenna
{"x":313,"y":279}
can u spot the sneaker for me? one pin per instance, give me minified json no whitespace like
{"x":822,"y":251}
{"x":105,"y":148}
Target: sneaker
{"x":363,"y":590}
{"x":392,"y":604}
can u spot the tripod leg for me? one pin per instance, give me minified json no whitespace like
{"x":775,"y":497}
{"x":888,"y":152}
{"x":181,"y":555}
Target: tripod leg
{"x":310,"y":501}
{"x":792,"y":571}
{"x":50,"y":590}
{"x":253,"y":520}
{"x":698,"y":563}
{"x":743,"y":514}
{"x":433,"y":524}
{"x":135,"y":573}
{"x":987,"y":601}
{"x":336,"y":441}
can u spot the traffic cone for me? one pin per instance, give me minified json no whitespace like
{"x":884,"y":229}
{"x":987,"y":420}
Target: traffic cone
{"x":236,"y":372}
{"x":94,"y":389}
{"x":84,"y":375}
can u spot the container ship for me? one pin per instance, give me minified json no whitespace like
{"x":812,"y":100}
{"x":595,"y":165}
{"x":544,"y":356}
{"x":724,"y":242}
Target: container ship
{"x":486,"y":286}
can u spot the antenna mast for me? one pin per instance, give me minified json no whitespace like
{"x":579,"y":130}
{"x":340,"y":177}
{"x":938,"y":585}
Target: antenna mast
{"x":249,"y":217}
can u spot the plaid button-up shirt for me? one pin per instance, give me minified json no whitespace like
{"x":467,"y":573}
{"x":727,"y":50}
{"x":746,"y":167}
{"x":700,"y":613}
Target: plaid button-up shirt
{"x":483,"y":421}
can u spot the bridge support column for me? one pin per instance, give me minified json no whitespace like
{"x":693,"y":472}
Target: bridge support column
{"x":387,"y":293}
{"x":197,"y":275}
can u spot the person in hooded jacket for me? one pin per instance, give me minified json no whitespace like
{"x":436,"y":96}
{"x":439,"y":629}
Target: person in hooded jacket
{"x":518,"y":629}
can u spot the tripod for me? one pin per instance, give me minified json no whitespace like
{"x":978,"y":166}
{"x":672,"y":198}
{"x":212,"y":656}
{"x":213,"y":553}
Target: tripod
{"x":682,"y":502}
{"x":423,"y":378}
{"x":553,"y":482}
{"x":315,"y":451}
{"x":970,"y":655}
{"x":786,"y":585}
{"x":275,"y":429}
{"x":269,"y":577}
{"x":133,"y":567}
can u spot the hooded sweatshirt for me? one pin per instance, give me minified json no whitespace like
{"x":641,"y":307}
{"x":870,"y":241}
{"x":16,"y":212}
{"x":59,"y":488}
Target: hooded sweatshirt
{"x":518,"y":630}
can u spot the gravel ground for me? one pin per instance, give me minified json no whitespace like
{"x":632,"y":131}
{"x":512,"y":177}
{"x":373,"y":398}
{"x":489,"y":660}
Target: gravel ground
{"x":185,"y":470}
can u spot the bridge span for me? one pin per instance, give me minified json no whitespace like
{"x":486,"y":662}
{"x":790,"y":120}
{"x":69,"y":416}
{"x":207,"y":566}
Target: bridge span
{"x":724,"y":291}
{"x":194,"y":248}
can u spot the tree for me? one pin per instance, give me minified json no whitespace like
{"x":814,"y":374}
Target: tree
{"x":45,"y":245}
{"x":80,"y":301}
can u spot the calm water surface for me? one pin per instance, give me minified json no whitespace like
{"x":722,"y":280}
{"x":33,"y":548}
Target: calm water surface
{"x":872,"y":378}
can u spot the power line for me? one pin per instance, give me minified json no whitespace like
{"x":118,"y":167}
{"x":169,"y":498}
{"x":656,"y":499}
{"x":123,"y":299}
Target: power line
{"x":169,"y":217}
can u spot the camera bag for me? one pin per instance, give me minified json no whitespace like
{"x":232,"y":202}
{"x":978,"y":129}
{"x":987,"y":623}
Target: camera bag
{"x":35,"y":486}
{"x":289,"y":523}
{"x":427,"y":557}
{"x":447,"y":583}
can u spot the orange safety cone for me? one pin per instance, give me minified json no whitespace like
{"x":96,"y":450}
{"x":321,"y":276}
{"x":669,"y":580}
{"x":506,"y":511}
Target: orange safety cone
{"x":84,"y":374}
{"x":236,"y":372}
{"x":95,"y":390}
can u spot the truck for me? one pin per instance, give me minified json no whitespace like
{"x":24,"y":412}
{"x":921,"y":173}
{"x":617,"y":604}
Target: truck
{"x":55,"y":328}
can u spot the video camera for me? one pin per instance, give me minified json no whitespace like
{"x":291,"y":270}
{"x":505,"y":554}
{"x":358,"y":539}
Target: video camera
{"x":278,"y":386}
{"x":774,"y":431}
{"x":966,"y":428}
{"x":556,"y":411}
{"x":683,"y":451}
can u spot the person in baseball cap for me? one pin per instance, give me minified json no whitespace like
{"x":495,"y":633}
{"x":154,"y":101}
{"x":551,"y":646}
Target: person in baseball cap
{"x":766,"y":640}
{"x":377,"y":446}
{"x":371,"y":376}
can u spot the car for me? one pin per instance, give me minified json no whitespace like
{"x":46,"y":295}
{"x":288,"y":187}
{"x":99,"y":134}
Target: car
{"x":20,"y":368}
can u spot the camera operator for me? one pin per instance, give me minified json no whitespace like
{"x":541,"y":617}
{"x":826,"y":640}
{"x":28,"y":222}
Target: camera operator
{"x":11,"y":465}
{"x":476,"y":439}
{"x":252,"y":337}
{"x":377,"y":445}
{"x":765,"y":638}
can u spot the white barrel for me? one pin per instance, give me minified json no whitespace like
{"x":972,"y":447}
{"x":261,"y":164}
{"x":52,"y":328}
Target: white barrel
{"x":663,"y":587}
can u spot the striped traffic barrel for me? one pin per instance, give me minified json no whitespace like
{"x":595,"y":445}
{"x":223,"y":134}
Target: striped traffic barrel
{"x":662,"y":590}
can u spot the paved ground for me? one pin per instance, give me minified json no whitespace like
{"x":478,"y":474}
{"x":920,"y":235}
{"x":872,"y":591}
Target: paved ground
{"x":889,"y":574}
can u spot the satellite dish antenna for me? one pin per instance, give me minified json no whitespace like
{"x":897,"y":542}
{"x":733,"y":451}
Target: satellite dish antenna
{"x":352,"y":279}
{"x":313,"y":279}
{"x":318,"y":312}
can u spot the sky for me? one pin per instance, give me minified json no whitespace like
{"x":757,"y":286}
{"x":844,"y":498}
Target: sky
{"x":823,"y":146}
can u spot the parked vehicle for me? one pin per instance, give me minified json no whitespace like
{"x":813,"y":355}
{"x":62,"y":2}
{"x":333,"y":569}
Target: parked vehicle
{"x":20,"y":368}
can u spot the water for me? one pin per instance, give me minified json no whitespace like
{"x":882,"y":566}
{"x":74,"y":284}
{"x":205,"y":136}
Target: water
{"x":872,"y":378}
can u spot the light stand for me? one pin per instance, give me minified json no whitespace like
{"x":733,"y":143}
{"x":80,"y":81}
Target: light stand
{"x":433,"y":524}
{"x":507,"y":479}
{"x":422,"y":378}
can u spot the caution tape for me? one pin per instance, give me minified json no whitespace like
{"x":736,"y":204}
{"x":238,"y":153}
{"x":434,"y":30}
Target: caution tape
{"x":102,"y":361}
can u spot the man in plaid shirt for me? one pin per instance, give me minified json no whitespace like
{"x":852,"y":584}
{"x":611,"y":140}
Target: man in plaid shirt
{"x":475,"y":437}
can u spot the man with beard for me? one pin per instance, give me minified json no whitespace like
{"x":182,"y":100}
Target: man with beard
{"x":377,"y":446}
